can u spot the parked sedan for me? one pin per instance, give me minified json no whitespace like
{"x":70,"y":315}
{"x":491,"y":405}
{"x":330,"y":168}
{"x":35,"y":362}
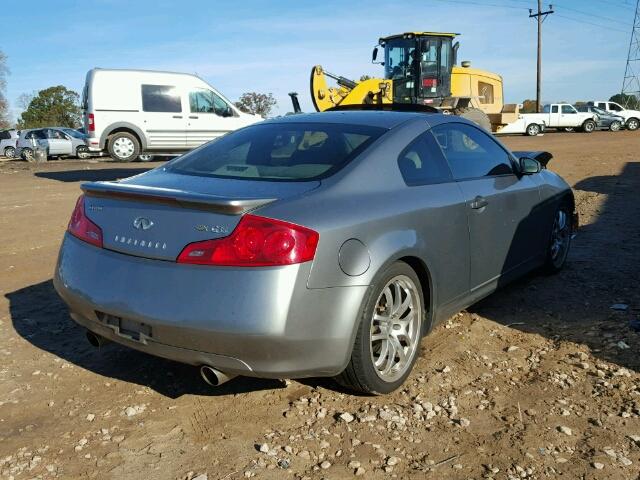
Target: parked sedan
{"x":8,"y":140}
{"x":311,"y":245}
{"x":58,"y":142}
{"x":605,"y":120}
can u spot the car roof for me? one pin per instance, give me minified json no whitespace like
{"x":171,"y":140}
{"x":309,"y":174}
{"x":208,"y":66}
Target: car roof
{"x":373,"y":118}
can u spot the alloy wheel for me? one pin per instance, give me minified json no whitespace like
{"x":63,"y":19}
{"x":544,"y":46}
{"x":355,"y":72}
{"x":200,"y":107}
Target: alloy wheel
{"x":560,"y":236}
{"x":395,"y":328}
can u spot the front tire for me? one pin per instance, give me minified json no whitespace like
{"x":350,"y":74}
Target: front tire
{"x":533,"y":130}
{"x":124,"y":147}
{"x":389,"y":333}
{"x":10,"y":152}
{"x":82,"y":152}
{"x":560,"y":240}
{"x":633,"y":124}
{"x":615,"y":126}
{"x":588,"y":126}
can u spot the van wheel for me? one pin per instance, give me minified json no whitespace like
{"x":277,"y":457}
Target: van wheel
{"x":633,"y":124}
{"x":123,"y":147}
{"x":82,"y":152}
{"x":588,"y":126}
{"x":388,"y":333}
{"x":533,"y":130}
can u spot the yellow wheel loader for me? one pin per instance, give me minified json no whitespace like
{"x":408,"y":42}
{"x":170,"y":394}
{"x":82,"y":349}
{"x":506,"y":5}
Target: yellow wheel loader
{"x":419,"y":68}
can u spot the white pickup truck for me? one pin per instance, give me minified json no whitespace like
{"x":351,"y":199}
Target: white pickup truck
{"x":559,"y":116}
{"x":631,"y":117}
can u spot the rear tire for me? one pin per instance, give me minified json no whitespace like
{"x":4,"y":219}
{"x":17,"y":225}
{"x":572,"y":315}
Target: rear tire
{"x":476,"y":116}
{"x":533,"y":130}
{"x":588,"y":126}
{"x":390,"y":324}
{"x":633,"y":124}
{"x":9,"y":152}
{"x":27,"y":154}
{"x":145,"y":157}
{"x":615,"y":126}
{"x":124,"y":147}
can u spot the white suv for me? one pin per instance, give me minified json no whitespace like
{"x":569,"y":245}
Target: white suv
{"x":128,"y":112}
{"x":631,"y":117}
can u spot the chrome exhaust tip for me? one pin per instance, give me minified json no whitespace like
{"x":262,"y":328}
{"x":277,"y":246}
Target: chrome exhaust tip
{"x":96,"y":340}
{"x":214,"y":377}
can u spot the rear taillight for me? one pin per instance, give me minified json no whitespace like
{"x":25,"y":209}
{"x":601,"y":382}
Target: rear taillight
{"x":91,"y":123}
{"x":429,"y":82}
{"x":255,"y":242}
{"x":83,"y":228}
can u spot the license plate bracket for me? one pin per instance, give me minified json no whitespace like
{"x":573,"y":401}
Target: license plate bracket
{"x":127,"y":328}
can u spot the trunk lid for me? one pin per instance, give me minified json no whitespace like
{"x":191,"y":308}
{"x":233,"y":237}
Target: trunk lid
{"x":156,"y":214}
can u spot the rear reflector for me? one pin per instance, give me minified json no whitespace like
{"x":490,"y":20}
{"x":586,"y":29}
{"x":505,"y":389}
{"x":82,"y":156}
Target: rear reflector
{"x":255,"y":242}
{"x":83,"y":228}
{"x":91,"y":123}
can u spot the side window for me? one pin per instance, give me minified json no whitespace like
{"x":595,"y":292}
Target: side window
{"x":5,"y":135}
{"x":568,"y":109}
{"x":485,"y":90}
{"x":206,"y":101}
{"x":554,"y":109}
{"x":615,"y":107}
{"x":161,"y":98}
{"x":422,"y":162}
{"x":471,"y":153}
{"x":602,"y":105}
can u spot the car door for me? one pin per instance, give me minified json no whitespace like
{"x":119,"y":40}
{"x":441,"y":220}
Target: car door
{"x":500,"y":204}
{"x":210,"y":116}
{"x":59,"y":142}
{"x":568,"y":116}
{"x":163,"y":118}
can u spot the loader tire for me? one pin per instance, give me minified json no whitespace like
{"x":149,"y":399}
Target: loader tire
{"x":476,"y":116}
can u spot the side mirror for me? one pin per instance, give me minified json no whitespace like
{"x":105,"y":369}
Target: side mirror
{"x":529,"y":166}
{"x":374,"y":55}
{"x":228,"y":112}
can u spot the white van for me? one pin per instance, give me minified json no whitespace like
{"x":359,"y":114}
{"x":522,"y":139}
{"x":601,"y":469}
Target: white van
{"x":127,"y":112}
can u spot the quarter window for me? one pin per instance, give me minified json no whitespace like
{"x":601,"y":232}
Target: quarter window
{"x":470,"y":152}
{"x":161,"y":98}
{"x":422,"y":162}
{"x":5,"y":135}
{"x":206,"y":101}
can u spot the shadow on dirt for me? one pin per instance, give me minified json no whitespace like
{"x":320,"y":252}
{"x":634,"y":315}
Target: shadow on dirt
{"x":97,"y":175}
{"x":40,"y":317}
{"x":602,"y":270}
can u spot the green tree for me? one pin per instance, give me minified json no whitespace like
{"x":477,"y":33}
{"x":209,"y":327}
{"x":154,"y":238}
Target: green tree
{"x":53,"y":106}
{"x":628,"y":101}
{"x":528,"y":106}
{"x":4,"y":105}
{"x":257,"y":103}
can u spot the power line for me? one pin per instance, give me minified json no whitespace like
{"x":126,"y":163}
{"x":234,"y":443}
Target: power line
{"x":579,"y":20}
{"x":481,"y":4}
{"x":582,"y":12}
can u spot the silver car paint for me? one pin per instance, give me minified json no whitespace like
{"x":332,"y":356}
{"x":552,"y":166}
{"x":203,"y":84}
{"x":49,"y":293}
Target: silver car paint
{"x":300,"y":320}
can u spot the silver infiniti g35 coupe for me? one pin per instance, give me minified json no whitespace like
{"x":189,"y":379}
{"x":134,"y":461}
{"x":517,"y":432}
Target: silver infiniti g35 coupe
{"x":326,"y":244}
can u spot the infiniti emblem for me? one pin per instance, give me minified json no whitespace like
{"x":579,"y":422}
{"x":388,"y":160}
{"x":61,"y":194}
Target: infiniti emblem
{"x":142,"y":223}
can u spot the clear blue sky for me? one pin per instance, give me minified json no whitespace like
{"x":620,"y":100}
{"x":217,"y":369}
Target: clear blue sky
{"x":270,"y":46}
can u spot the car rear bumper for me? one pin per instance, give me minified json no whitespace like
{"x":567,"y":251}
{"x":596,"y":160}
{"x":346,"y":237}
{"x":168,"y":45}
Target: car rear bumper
{"x":261,"y":322}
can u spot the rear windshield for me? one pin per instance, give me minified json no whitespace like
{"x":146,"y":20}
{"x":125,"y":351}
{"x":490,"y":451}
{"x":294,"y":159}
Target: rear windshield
{"x":279,"y":151}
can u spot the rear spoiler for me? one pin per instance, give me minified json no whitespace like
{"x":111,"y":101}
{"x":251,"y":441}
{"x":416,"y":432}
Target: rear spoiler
{"x":542,"y":157}
{"x":168,"y":196}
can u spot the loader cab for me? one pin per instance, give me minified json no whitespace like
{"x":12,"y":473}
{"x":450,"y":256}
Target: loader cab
{"x":419,"y":64}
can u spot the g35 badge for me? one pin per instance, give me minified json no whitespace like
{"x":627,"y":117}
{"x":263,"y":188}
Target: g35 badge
{"x":212,"y":228}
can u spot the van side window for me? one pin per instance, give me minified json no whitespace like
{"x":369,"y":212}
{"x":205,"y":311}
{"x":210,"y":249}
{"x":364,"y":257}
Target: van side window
{"x":161,"y":98}
{"x":206,"y":101}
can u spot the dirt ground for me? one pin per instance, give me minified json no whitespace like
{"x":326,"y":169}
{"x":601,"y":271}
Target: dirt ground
{"x":540,"y":380}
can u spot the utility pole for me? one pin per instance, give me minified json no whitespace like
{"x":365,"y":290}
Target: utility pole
{"x":631,"y":82}
{"x":540,"y":16}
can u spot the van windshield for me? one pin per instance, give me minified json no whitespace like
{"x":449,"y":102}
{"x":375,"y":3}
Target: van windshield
{"x":279,"y":152}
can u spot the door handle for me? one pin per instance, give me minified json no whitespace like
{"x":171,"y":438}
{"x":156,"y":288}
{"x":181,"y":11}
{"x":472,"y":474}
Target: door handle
{"x":177,"y":116}
{"x":193,"y":116}
{"x":479,"y":202}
